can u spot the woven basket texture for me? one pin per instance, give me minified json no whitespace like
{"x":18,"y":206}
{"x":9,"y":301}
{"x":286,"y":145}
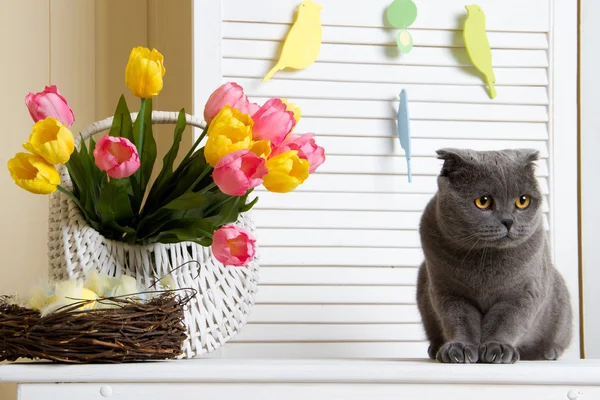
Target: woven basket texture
{"x":225,"y":294}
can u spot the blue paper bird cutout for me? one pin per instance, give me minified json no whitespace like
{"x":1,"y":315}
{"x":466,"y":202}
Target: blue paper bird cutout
{"x":404,"y":129}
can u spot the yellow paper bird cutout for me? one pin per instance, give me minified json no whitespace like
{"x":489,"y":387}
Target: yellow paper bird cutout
{"x":478,"y":46}
{"x":303,"y":41}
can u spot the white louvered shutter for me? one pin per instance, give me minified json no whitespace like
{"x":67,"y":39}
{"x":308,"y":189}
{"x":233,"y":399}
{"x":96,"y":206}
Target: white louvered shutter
{"x":339,"y":256}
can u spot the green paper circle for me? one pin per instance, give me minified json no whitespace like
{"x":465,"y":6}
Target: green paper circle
{"x":402,"y":13}
{"x":404,"y":41}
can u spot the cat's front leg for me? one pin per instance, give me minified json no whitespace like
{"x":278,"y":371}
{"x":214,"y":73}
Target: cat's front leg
{"x":502,"y":327}
{"x":461,"y":323}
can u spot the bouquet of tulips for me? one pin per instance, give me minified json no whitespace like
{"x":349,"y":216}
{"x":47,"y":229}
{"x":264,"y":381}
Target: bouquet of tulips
{"x":198,"y":200}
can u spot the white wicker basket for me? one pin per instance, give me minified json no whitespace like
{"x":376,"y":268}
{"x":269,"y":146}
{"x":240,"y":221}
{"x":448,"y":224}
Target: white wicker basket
{"x":225,"y":294}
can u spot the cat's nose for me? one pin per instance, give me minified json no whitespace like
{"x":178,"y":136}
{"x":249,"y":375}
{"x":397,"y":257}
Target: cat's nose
{"x":508,"y":223}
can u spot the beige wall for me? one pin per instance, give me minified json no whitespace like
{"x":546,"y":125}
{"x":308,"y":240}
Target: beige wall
{"x":82,"y":46}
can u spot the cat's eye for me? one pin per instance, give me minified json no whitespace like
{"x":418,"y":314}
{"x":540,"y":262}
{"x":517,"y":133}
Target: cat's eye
{"x":523,"y":202}
{"x":484,"y":202}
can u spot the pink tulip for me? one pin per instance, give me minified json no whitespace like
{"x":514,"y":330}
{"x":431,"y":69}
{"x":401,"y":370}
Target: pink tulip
{"x":233,"y":245}
{"x":237,"y":172}
{"x":307,"y":148}
{"x":117,"y":156}
{"x":231,"y":94}
{"x":49,"y":103}
{"x":273,"y":122}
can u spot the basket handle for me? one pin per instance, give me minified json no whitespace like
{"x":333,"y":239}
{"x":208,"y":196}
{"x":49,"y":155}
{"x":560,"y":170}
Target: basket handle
{"x":158,"y":117}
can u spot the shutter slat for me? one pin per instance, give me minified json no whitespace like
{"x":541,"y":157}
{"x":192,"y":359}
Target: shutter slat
{"x":338,"y":219}
{"x":326,"y":238}
{"x":349,"y":164}
{"x":333,"y":72}
{"x":425,"y":129}
{"x":529,"y":16}
{"x":374,"y":36}
{"x":419,"y":147}
{"x":357,"y":257}
{"x":422,"y":111}
{"x":343,"y":201}
{"x":330,"y":333}
{"x":382,"y":350}
{"x":296,"y":89}
{"x":376,"y":184}
{"x":379,"y":54}
{"x":341,"y":314}
{"x":336,"y":295}
{"x":323,"y":275}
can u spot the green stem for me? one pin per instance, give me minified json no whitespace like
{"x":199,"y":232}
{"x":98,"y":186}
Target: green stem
{"x":218,"y":205}
{"x":196,"y":143}
{"x":140,"y":141}
{"x":207,"y":169}
{"x":208,"y":188}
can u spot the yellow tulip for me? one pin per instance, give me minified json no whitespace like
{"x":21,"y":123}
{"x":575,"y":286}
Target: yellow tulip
{"x":51,"y":140}
{"x":33,"y":173}
{"x":229,"y":131}
{"x":286,"y":172}
{"x":144,"y":72}
{"x":261,"y":148}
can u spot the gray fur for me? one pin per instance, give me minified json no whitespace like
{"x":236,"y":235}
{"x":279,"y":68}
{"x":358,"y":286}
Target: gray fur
{"x":487,"y":293}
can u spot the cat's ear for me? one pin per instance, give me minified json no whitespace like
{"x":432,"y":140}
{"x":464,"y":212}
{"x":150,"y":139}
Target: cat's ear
{"x":528,"y":156}
{"x":454,"y":160}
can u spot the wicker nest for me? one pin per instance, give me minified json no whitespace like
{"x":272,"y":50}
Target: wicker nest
{"x":134,"y":331}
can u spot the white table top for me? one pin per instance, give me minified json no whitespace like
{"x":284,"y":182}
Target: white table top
{"x":580,"y":372}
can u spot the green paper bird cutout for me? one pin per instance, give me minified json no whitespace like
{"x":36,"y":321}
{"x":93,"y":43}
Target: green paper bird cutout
{"x":478,"y":46}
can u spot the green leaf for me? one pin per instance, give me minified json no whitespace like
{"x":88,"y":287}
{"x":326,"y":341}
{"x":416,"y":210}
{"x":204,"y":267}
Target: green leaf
{"x":152,"y":223}
{"x":169,"y":159}
{"x":182,"y":181}
{"x":166,"y":172}
{"x":138,"y":197}
{"x":148,"y":151}
{"x":89,"y":171}
{"x":248,"y":207}
{"x":227,"y":211}
{"x":124,"y":184}
{"x":181,"y":235}
{"x":75,"y":172}
{"x":121,"y":125}
{"x":114,"y":206}
{"x":80,"y":190}
{"x":188,"y":200}
{"x":189,"y":228}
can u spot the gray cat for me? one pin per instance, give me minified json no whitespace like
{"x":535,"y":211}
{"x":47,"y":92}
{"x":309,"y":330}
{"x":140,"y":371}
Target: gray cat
{"x":487,"y":291}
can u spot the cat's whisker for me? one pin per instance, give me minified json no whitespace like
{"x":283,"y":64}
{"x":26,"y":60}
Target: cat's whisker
{"x":464,"y":259}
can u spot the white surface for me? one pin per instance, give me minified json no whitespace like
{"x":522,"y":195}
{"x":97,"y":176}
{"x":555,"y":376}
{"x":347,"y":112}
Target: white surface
{"x":580,"y":372}
{"x":590,"y":190}
{"x":305,"y":391}
{"x":353,"y":224}
{"x":261,"y":379}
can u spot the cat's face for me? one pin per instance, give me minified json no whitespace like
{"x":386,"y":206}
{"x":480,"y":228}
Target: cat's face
{"x":489,"y":198}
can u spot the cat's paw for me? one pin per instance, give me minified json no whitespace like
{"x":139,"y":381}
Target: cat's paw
{"x":552,"y":354}
{"x":498,"y":353}
{"x":433,"y":349}
{"x":457,"y":353}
